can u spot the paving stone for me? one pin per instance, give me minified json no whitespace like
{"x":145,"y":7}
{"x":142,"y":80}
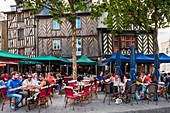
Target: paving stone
{"x":97,"y":106}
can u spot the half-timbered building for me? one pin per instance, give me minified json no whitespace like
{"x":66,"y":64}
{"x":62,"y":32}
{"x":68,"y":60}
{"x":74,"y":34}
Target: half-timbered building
{"x":123,"y":40}
{"x":41,"y":35}
{"x":55,"y":39}
{"x":21,"y":31}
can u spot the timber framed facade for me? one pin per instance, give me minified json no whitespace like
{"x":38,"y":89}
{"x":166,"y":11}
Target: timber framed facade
{"x":21,"y":32}
{"x":41,"y":35}
{"x":35,"y":35}
{"x":87,"y":37}
{"x":123,"y":40}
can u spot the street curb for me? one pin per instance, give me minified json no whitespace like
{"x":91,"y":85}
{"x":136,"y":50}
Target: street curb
{"x":156,"y":110}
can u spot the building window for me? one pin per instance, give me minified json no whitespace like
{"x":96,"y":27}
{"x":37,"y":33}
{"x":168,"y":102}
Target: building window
{"x":127,"y":41}
{"x":45,"y":11}
{"x":21,"y":51}
{"x":56,"y":44}
{"x":115,"y":43}
{"x":20,"y":34}
{"x":56,"y":25}
{"x":20,"y":17}
{"x":78,"y":23}
{"x":78,"y":46}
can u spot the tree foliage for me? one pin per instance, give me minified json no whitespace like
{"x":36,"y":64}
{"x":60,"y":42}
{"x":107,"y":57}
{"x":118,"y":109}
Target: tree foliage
{"x":62,"y":8}
{"x":59,"y":8}
{"x":145,"y":14}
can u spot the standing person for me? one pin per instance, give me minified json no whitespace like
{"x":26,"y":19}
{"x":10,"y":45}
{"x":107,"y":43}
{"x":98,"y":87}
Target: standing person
{"x":59,"y":83}
{"x":13,"y":86}
{"x":100,"y":79}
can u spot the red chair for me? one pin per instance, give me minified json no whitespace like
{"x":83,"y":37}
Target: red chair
{"x":94,"y":88}
{"x":42,"y":98}
{"x":69,"y":92}
{"x":50,"y":92}
{"x":86,"y":92}
{"x":72,"y":84}
{"x":5,"y":98}
{"x":66,"y":79}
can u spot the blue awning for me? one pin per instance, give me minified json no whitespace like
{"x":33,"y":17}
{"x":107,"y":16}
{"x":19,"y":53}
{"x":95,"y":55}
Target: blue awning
{"x":140,"y":58}
{"x":163,"y":58}
{"x":113,"y":59}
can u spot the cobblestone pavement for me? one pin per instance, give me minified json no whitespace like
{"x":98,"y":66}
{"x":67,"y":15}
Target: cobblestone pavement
{"x":97,"y":106}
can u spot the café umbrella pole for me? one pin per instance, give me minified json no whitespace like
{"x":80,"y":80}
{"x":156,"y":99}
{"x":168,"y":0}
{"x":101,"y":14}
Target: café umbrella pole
{"x":49,"y":67}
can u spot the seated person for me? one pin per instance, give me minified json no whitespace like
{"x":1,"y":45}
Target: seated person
{"x":127,"y":83}
{"x":139,"y":82}
{"x":167,"y":81}
{"x":42,"y":83}
{"x":115,"y":80}
{"x":51,"y":78}
{"x":148,"y":78}
{"x":28,"y":81}
{"x":13,"y":86}
{"x":35,"y":78}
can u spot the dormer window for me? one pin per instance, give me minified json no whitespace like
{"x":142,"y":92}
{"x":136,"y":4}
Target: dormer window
{"x":45,"y":11}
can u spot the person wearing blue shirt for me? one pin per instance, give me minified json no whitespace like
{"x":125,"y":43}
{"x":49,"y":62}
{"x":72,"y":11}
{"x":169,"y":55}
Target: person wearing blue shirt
{"x":13,"y":86}
{"x":100,"y":79}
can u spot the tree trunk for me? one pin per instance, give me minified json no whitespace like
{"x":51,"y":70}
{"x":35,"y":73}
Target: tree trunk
{"x":74,"y":71}
{"x":155,"y":41}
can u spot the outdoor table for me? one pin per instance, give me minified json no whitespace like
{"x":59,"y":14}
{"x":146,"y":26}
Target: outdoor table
{"x":161,"y":83}
{"x":145,"y":84}
{"x":86,"y":81}
{"x":80,"y":86}
{"x":118,"y":85}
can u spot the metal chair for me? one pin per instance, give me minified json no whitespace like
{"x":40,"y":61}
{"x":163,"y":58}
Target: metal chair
{"x":130,"y":94}
{"x":107,"y":91}
{"x":151,"y":92}
{"x":167,"y":91}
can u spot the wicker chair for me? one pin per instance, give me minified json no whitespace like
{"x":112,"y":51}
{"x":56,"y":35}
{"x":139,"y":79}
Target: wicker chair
{"x":167,"y":92}
{"x":151,"y":92}
{"x":131,"y":93}
{"x":107,"y":91}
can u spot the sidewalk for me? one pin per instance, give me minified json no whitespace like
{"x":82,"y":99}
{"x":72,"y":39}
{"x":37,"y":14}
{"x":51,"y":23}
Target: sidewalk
{"x":97,"y":106}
